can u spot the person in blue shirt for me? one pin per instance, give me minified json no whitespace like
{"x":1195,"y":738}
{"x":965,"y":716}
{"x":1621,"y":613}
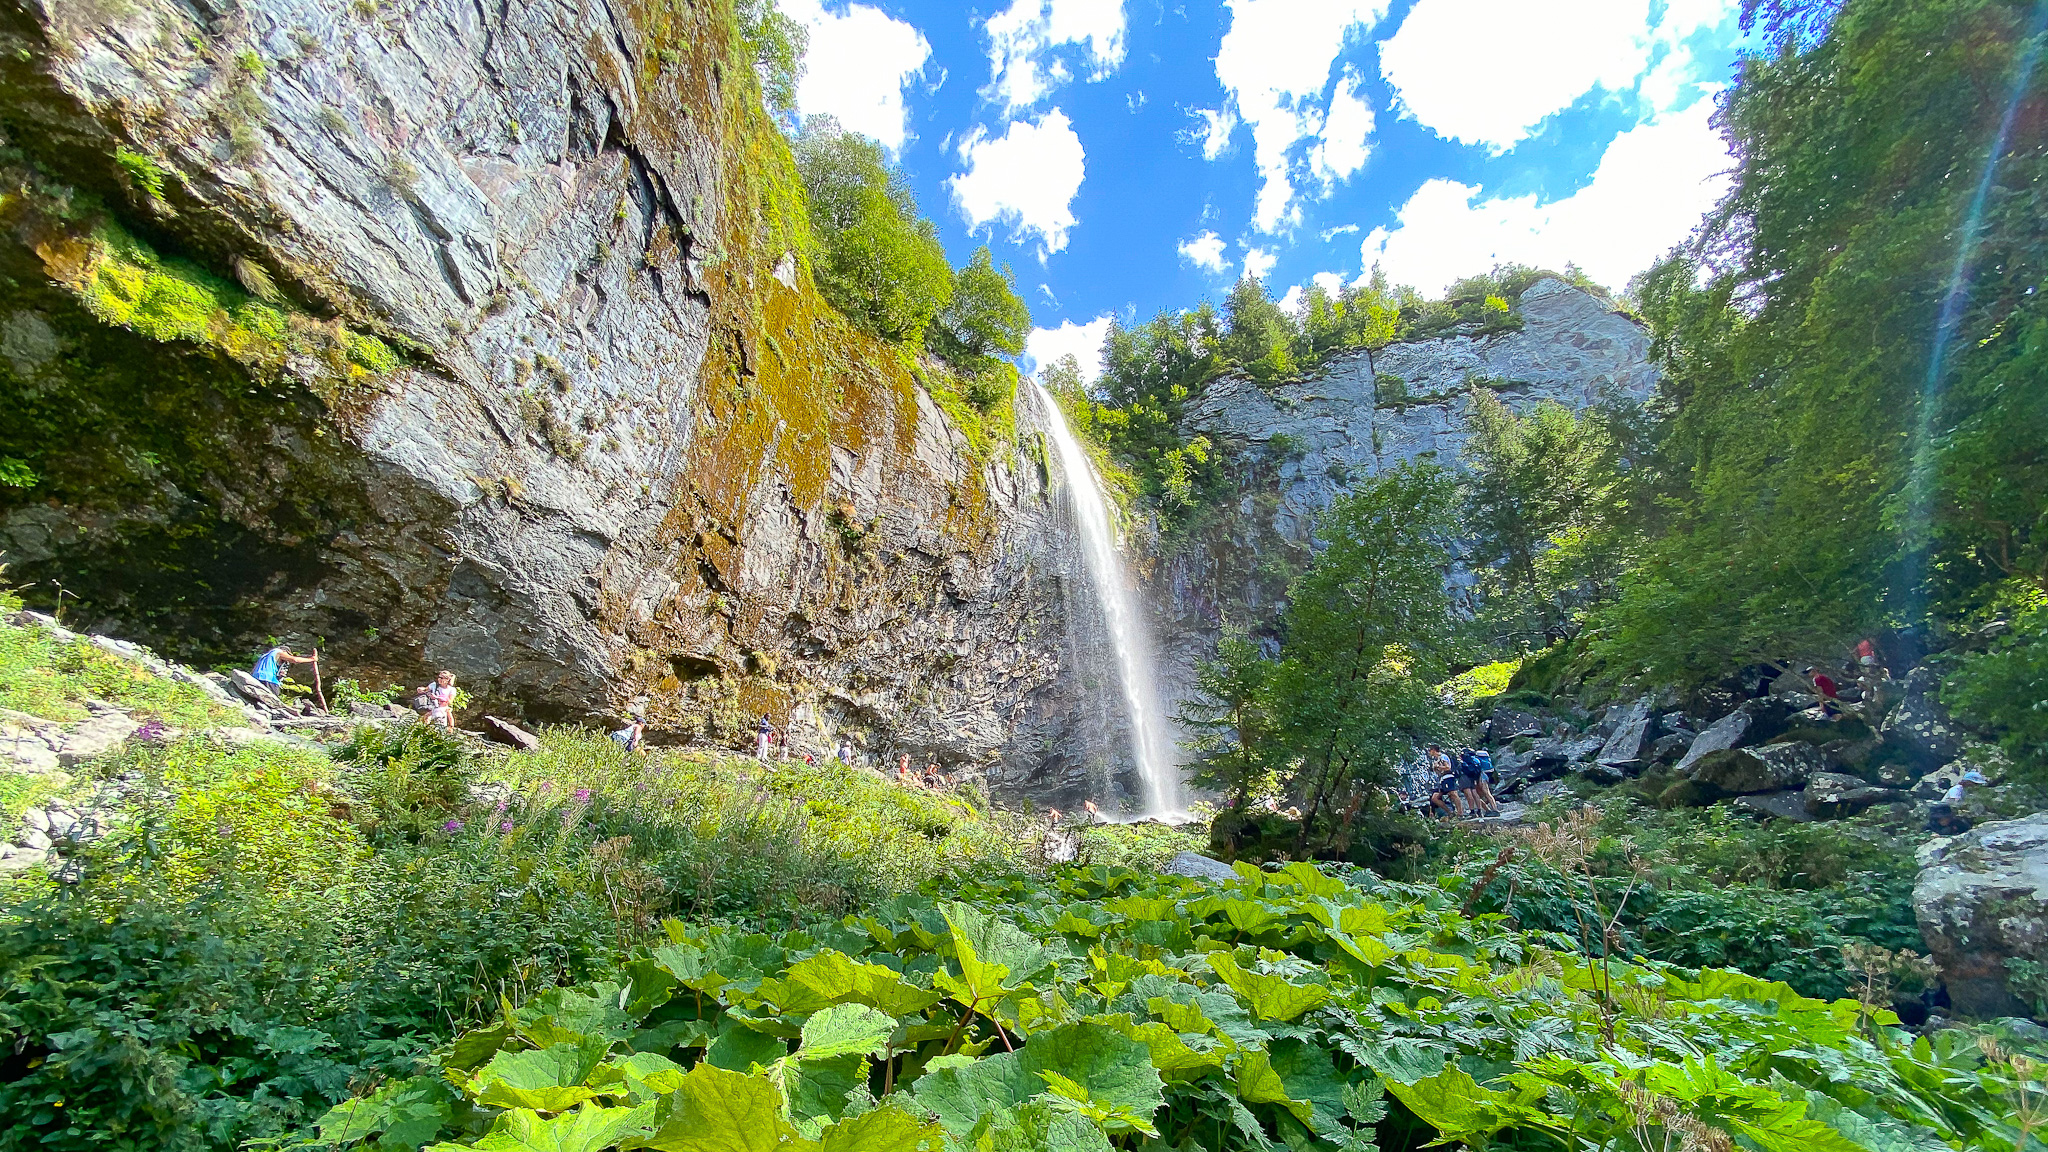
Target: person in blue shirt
{"x":270,"y":666}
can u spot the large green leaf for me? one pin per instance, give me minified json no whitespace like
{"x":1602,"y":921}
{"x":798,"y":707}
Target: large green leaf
{"x":961,"y":1091}
{"x":1451,"y":1102}
{"x":719,"y":1111}
{"x":992,"y":954}
{"x":407,"y":1113}
{"x":845,"y":1030}
{"x":589,"y":1129}
{"x":1311,"y":1077}
{"x":1268,"y":997}
{"x":1040,"y":1126}
{"x":550,"y":1079}
{"x":831,"y":978}
{"x":1111,"y":1067}
{"x":739,"y":1048}
{"x":885,"y":1129}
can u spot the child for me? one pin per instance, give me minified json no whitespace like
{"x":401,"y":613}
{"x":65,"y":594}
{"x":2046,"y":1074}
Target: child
{"x":440,"y":697}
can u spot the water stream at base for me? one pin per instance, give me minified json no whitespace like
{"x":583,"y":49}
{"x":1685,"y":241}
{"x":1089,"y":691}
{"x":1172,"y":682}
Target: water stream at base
{"x":1151,"y":745}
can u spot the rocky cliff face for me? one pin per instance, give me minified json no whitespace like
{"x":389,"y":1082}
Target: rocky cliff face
{"x":1363,"y":413}
{"x":478,"y":337}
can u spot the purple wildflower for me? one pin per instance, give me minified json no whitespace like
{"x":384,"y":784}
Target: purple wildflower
{"x":150,"y":730}
{"x":452,"y":826}
{"x":545,"y":785}
{"x":505,"y":827}
{"x":583,"y":795}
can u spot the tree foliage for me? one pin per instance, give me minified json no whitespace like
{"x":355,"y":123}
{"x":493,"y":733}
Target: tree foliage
{"x":877,"y":260}
{"x":1823,"y":474}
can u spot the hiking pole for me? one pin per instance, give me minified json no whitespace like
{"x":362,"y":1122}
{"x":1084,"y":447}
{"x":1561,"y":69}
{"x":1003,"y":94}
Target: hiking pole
{"x":318,"y":693}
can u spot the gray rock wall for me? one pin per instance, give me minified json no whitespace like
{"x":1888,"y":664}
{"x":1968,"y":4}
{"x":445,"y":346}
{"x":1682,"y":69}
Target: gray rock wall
{"x":628,"y":460}
{"x":1572,"y":349}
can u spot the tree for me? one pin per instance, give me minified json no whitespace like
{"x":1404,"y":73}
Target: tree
{"x":777,"y":45}
{"x":1365,"y":635}
{"x":1229,"y":720}
{"x":1856,"y":437}
{"x":982,"y":324}
{"x":1539,"y":506}
{"x":877,"y":261}
{"x":1260,"y":337}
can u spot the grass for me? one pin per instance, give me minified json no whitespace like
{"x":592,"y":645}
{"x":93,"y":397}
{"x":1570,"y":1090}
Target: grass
{"x":53,"y":679}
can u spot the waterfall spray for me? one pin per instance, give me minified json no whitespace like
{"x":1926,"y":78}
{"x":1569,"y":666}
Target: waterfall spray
{"x":1150,"y":744}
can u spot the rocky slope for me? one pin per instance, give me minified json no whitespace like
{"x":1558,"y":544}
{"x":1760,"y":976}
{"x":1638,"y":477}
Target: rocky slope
{"x":479,"y":338}
{"x":1365,"y":412}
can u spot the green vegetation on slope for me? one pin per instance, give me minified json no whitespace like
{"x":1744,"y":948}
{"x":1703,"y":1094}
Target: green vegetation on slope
{"x":1111,"y":1009}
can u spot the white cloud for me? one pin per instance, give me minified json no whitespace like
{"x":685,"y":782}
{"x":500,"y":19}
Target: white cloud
{"x":1275,"y":62}
{"x":1329,"y":234}
{"x":1489,"y":71}
{"x":1044,"y":346}
{"x":1206,"y":252}
{"x":1258,"y":262}
{"x":1653,"y":185}
{"x":1024,"y":43}
{"x":1292,"y":299}
{"x":859,"y":63}
{"x":1330,"y":282}
{"x":1217,"y":125}
{"x":1347,"y":133}
{"x":1026,"y":178}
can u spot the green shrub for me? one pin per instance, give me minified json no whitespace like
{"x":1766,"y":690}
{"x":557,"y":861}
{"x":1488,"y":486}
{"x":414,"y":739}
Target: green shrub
{"x":1110,"y":1008}
{"x":43,"y":677}
{"x":2005,"y":689}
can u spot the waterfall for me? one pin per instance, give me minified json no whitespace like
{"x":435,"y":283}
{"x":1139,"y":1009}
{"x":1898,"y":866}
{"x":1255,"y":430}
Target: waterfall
{"x":1151,"y":745}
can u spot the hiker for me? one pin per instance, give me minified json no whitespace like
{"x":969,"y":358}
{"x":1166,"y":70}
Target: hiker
{"x":1094,"y":814}
{"x":764,"y":735}
{"x":1443,"y":797}
{"x":903,"y":768}
{"x":1870,"y":677}
{"x":931,"y":774}
{"x":270,"y":666}
{"x":1824,"y":686}
{"x":1942,"y":818}
{"x":440,"y":699}
{"x":845,"y":751}
{"x":1473,"y":780}
{"x":629,"y":737}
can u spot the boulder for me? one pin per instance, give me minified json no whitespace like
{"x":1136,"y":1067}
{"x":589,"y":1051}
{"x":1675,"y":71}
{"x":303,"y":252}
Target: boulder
{"x":1920,"y":722}
{"x":1736,"y":771}
{"x":1631,"y":731}
{"x":1787,"y":805}
{"x":364,"y":711}
{"x":1719,"y":736}
{"x":1681,"y":722}
{"x":21,"y":859}
{"x":1199,"y":867}
{"x":1509,"y":723}
{"x":1605,"y":775}
{"x":1538,"y":793}
{"x":1834,"y":795}
{"x":1670,"y":748}
{"x":95,"y":738}
{"x":1982,"y":899}
{"x":506,"y":732}
{"x":253,"y":690}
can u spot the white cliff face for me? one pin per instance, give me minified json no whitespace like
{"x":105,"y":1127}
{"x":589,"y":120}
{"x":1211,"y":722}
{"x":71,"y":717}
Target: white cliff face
{"x":1343,"y":425}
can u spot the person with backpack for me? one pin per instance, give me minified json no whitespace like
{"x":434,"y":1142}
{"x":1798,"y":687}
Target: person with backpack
{"x":764,"y":734}
{"x":1472,"y":781}
{"x":440,"y":700}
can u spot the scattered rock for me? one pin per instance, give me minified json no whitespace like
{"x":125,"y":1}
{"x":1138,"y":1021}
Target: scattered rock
{"x":1511,"y":723}
{"x":22,"y":859}
{"x":506,"y":732}
{"x":1982,"y":899}
{"x":1833,"y":795}
{"x":1789,"y":805}
{"x":1735,"y":771}
{"x":95,"y":738}
{"x":368,"y":711}
{"x":253,"y":690}
{"x":1919,"y":720}
{"x":1679,"y":723}
{"x":1721,"y":735}
{"x":1199,"y":867}
{"x":1537,"y":793}
{"x":1605,"y":775}
{"x":1671,"y":747}
{"x":1633,"y":728}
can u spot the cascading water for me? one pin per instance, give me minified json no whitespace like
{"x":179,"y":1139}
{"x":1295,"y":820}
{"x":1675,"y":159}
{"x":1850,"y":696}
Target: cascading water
{"x":1150,"y":743}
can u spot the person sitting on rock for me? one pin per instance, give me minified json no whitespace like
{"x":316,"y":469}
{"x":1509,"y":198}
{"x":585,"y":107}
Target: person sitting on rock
{"x":270,"y":666}
{"x":931,"y":774}
{"x":440,"y":697}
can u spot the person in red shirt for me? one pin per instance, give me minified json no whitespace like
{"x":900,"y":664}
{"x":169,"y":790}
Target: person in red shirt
{"x":1824,"y":687}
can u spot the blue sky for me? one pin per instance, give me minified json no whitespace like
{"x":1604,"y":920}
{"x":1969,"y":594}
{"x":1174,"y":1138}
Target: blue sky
{"x":1126,"y":156}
